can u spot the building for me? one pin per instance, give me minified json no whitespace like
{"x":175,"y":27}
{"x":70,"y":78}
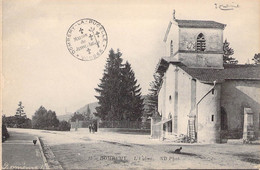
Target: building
{"x":200,"y":97}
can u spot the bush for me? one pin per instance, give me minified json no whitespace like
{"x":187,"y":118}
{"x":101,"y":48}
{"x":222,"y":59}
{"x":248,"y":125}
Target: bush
{"x":5,"y":133}
{"x":64,"y":126}
{"x":17,"y":122}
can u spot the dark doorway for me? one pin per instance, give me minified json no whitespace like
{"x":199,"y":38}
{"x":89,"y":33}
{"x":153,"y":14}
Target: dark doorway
{"x":170,"y":126}
{"x":224,"y":122}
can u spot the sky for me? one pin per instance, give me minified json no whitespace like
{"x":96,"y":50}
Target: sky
{"x":38,"y":69}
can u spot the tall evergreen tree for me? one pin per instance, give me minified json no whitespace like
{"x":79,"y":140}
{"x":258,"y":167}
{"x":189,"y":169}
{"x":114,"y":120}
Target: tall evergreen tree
{"x":110,"y":88}
{"x":19,"y":111}
{"x":132,"y":101}
{"x":228,"y":52}
{"x":153,"y":94}
{"x":119,"y":95}
{"x":87,"y":114}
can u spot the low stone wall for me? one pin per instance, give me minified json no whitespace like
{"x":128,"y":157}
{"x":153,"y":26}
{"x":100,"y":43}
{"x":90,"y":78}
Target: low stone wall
{"x":125,"y":124}
{"x":126,"y":131}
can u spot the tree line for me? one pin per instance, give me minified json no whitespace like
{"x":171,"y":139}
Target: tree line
{"x":42,"y":119}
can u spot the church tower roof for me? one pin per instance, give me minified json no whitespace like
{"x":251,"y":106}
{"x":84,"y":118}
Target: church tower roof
{"x":199,"y":24}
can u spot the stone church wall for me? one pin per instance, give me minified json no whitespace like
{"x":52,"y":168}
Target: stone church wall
{"x":172,"y":36}
{"x":208,"y":113}
{"x":211,"y":57}
{"x":213,"y":37}
{"x":184,"y":101}
{"x":235,"y":95}
{"x":201,"y":60}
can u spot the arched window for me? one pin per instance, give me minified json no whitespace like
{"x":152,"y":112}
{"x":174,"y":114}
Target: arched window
{"x":171,"y":47}
{"x":201,"y":42}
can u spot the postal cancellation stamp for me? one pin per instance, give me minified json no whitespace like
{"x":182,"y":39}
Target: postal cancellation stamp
{"x":86,"y":39}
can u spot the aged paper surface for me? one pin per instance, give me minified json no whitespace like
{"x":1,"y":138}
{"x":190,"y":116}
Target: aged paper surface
{"x":53,"y":56}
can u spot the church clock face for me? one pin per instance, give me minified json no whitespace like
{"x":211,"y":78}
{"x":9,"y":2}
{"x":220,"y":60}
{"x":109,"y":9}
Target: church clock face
{"x":191,"y":46}
{"x":86,"y":39}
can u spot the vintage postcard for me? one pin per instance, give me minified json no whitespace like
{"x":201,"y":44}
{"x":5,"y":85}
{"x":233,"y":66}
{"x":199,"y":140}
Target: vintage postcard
{"x":150,"y":84}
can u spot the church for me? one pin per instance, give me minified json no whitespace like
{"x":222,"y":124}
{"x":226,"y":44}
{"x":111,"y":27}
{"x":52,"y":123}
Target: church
{"x":201,"y":98}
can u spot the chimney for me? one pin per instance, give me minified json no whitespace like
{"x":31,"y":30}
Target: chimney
{"x":173,"y":14}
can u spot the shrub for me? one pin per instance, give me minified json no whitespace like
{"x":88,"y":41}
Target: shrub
{"x":17,"y":122}
{"x":64,"y":126}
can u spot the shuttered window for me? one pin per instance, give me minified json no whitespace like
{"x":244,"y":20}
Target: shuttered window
{"x":201,"y":42}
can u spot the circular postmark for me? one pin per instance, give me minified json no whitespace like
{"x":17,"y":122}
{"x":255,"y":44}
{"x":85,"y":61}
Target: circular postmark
{"x":86,"y":39}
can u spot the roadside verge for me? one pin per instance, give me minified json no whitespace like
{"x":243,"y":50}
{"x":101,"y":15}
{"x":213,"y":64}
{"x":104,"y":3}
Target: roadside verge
{"x":49,"y":159}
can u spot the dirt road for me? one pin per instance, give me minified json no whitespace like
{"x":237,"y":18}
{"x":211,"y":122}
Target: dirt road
{"x":77,"y":150}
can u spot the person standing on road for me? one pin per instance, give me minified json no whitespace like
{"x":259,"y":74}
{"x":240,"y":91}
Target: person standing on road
{"x":90,"y":128}
{"x":93,"y":128}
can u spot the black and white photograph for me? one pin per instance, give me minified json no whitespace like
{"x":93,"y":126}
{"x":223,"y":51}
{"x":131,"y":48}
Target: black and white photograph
{"x":141,"y":84}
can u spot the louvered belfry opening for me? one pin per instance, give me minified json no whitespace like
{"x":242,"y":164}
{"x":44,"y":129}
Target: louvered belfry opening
{"x":201,"y":42}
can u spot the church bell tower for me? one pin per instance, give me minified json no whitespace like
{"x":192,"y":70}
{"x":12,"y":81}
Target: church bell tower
{"x":195,"y":43}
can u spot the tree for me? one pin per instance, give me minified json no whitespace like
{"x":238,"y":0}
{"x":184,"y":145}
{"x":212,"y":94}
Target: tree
{"x":227,"y":54}
{"x":119,"y":95}
{"x":132,"y":101}
{"x":19,"y":120}
{"x":19,"y":111}
{"x":77,"y":116}
{"x":153,"y":94}
{"x":110,"y":88}
{"x":44,"y":119}
{"x":88,"y":115}
{"x":256,"y":58}
{"x":52,"y":119}
{"x":38,"y":120}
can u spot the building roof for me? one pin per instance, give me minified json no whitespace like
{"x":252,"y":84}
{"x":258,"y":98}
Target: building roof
{"x":230,"y":72}
{"x":208,"y":75}
{"x":163,"y":64}
{"x":199,"y":24}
